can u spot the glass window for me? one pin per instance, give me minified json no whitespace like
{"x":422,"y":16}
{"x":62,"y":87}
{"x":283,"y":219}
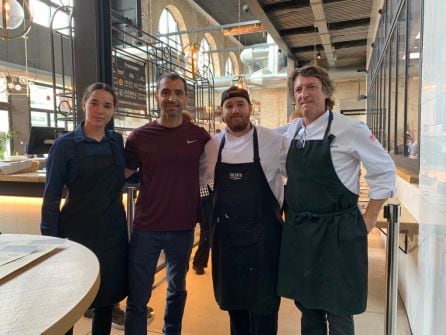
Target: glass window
{"x":39,"y":119}
{"x":229,"y":67}
{"x":167,"y":25}
{"x":384,"y":115}
{"x":4,"y":121}
{"x":41,"y":13}
{"x":394,"y":82}
{"x":42,"y":107}
{"x":205,"y":64}
{"x":3,"y":88}
{"x":413,"y":78}
{"x":392,"y":93}
{"x":401,"y":99}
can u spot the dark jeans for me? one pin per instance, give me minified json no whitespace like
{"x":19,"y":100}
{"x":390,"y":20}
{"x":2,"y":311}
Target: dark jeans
{"x":202,"y":254}
{"x":314,"y":322}
{"x":145,"y":248}
{"x":245,"y":322}
{"x":102,"y":320}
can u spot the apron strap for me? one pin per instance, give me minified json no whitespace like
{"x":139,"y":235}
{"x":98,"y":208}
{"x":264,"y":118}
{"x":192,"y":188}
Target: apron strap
{"x":222,"y":144}
{"x":327,"y":130}
{"x":255,"y":146}
{"x":330,"y":118}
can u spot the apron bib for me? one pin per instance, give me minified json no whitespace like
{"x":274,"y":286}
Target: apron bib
{"x":93,"y":215}
{"x":245,"y":237}
{"x":323,"y":257}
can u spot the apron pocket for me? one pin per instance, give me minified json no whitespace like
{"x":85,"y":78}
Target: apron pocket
{"x":241,"y":231}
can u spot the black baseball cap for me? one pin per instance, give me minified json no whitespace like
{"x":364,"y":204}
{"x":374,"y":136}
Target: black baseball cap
{"x":234,"y":91}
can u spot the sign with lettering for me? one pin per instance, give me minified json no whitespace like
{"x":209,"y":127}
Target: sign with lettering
{"x":129,"y":82}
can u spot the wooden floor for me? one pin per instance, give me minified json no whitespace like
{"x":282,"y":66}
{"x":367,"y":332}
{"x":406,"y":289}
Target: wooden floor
{"x":203,"y":317}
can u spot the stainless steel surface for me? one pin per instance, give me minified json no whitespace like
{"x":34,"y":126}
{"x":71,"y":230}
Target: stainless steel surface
{"x":131,"y":196}
{"x":393,"y":228}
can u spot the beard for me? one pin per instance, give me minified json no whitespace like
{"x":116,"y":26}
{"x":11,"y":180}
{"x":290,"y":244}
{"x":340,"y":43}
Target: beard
{"x":172,"y":110}
{"x":238,"y":123}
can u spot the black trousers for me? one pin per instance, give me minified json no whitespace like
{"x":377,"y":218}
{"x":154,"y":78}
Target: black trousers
{"x":204,"y":245}
{"x":245,"y":322}
{"x":315,"y":322}
{"x":102,"y":320}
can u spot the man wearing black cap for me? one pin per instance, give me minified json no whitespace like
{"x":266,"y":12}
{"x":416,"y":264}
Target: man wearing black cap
{"x":248,"y":164}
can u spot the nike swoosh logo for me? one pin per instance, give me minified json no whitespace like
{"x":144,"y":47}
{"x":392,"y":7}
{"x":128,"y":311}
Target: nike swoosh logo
{"x":191,"y":141}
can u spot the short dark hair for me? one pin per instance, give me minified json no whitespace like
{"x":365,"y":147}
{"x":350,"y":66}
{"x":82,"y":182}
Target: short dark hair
{"x":313,"y":71}
{"x":99,"y":86}
{"x":171,"y":76}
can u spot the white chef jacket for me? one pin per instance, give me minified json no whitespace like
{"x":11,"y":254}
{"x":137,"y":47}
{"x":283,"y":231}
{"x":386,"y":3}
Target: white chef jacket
{"x":353,"y":143}
{"x":272,"y":152}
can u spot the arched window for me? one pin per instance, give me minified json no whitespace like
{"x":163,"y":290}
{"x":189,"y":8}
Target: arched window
{"x":229,"y":67}
{"x":168,"y":25}
{"x":205,"y":63}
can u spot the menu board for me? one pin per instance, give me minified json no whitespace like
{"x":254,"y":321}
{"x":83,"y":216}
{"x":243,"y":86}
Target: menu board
{"x":129,"y":81}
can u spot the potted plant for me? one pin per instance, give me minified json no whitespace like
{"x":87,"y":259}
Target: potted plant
{"x":5,"y":143}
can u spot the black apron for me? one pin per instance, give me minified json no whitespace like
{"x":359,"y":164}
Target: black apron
{"x":245,"y":237}
{"x":94,"y":216}
{"x":323,"y":259}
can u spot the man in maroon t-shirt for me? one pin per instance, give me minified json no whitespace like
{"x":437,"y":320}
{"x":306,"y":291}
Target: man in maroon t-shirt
{"x":167,"y":154}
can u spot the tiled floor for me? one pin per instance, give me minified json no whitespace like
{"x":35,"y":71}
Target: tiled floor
{"x":203,"y":317}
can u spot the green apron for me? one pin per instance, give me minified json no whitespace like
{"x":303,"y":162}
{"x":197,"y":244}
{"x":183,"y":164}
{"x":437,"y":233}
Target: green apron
{"x":323,"y":258}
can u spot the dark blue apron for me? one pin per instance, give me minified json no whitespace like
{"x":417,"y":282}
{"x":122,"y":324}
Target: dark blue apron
{"x":323,"y":258}
{"x":94,"y":216}
{"x":245,"y":237}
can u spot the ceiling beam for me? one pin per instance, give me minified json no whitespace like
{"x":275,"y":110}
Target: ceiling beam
{"x":259,"y":13}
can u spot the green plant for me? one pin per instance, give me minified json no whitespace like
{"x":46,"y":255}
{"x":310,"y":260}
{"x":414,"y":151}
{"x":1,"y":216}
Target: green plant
{"x":7,"y":136}
{"x":5,"y":139}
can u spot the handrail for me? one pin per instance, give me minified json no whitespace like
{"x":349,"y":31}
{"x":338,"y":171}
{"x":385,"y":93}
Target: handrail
{"x":131,"y":195}
{"x":392,"y":213}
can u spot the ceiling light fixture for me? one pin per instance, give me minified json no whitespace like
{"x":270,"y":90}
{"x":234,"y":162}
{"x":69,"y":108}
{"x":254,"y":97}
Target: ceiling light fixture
{"x":13,"y":15}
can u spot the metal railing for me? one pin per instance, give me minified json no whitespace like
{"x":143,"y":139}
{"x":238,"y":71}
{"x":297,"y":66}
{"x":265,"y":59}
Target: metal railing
{"x":131,"y":196}
{"x":392,"y":213}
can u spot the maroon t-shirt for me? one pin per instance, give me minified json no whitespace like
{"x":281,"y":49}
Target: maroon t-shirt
{"x":168,"y":161}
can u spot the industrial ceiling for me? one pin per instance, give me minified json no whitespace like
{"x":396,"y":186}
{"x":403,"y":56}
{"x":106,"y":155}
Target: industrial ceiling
{"x":331,"y":32}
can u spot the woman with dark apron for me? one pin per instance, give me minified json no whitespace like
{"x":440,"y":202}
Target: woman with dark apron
{"x":89,"y":162}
